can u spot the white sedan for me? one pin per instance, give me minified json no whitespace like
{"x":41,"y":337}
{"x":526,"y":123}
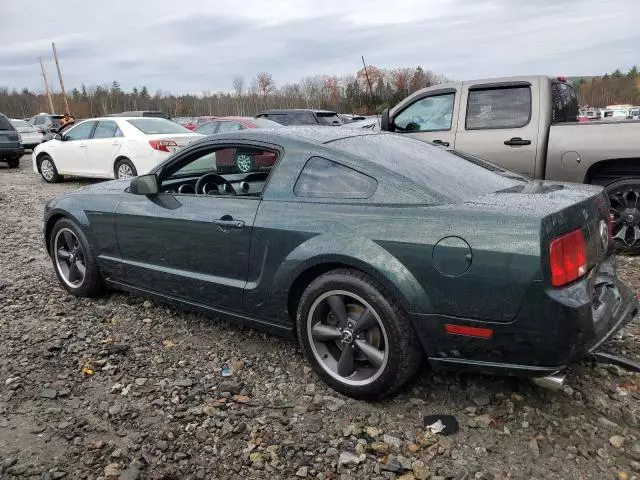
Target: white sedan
{"x":110,"y":147}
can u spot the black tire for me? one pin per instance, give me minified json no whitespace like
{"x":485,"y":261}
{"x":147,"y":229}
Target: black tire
{"x":50,"y":174}
{"x":14,"y":162}
{"x":624,"y":195}
{"x":122,"y":164}
{"x":404,"y":353}
{"x":92,"y":284}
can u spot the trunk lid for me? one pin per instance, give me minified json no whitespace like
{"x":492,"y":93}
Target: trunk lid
{"x":561,"y":208}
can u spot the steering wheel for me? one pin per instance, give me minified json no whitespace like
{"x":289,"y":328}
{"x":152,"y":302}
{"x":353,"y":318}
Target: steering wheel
{"x":219,"y":180}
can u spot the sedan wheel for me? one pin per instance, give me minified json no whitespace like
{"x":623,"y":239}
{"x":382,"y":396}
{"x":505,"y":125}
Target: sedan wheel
{"x":73,"y":259}
{"x":125,"y":169}
{"x":244,"y":163}
{"x":356,"y":337}
{"x":624,"y":196}
{"x":48,"y":170}
{"x":69,"y":258}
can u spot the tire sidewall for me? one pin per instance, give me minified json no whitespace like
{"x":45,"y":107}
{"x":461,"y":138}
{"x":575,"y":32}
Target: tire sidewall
{"x":128,"y":162}
{"x":618,"y":185}
{"x":376,"y":299}
{"x":92,"y":284}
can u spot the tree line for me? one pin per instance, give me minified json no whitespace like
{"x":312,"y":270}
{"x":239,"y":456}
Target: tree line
{"x":612,"y":88}
{"x":366,"y":92}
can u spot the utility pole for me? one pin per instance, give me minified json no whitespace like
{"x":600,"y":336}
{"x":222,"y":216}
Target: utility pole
{"x":46,"y":86}
{"x":64,"y":94}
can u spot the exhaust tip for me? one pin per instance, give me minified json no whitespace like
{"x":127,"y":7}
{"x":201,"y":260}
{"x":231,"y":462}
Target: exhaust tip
{"x":551,"y":382}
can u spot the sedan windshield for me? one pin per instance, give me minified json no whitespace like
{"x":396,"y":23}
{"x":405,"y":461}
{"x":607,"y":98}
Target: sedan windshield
{"x":436,"y":169}
{"x":155,"y":126}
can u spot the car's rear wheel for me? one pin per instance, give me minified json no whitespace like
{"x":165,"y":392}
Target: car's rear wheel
{"x":73,"y":260}
{"x":355,"y":336}
{"x":14,"y":162}
{"x":624,"y":195}
{"x":125,"y":169}
{"x":48,"y":169}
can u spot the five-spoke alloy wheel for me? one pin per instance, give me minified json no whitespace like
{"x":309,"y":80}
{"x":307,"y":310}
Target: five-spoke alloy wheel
{"x":355,"y":335}
{"x":69,"y":258}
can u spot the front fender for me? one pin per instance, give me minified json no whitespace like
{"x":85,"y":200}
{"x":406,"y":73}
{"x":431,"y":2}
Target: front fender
{"x":356,"y":252}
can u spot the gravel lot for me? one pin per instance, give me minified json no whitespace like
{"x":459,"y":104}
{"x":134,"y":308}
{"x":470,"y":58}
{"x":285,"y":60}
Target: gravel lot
{"x":154,"y":404}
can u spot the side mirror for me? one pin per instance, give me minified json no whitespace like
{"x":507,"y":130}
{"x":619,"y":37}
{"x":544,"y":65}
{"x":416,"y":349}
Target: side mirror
{"x":385,"y":124}
{"x":144,"y":185}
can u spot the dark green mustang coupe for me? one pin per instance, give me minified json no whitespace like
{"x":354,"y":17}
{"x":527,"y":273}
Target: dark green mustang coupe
{"x":376,"y":250}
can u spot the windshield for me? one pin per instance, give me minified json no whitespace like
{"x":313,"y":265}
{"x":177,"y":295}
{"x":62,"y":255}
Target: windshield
{"x":155,"y":126}
{"x":328,"y":118}
{"x":265,"y":123}
{"x":20,"y":124}
{"x":438,"y":170}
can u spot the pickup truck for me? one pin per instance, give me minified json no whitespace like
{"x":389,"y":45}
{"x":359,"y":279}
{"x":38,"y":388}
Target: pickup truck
{"x":529,"y":125}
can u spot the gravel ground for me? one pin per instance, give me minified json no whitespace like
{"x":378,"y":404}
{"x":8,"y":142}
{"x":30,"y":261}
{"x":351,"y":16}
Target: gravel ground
{"x":126,"y":387}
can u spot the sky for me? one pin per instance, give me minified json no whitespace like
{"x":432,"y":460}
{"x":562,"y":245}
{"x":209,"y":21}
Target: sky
{"x":193,"y":46}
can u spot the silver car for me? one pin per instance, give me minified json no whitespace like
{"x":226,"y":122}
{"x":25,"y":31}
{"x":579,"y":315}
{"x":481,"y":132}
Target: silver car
{"x":30,"y":136}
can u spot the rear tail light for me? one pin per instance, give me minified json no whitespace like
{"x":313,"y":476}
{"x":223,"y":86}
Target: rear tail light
{"x":568,"y":258}
{"x":39,"y":130}
{"x":162,"y":145}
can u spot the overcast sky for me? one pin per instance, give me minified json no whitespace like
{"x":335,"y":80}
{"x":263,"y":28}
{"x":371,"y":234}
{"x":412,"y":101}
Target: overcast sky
{"x":197,"y":45}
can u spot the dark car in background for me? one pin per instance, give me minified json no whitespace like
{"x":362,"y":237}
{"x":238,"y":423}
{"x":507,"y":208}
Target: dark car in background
{"x":10,"y":147}
{"x":46,"y":122}
{"x":302,"y":116}
{"x":373,"y":249}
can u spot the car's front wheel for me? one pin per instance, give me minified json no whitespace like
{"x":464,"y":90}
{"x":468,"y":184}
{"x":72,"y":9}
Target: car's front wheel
{"x":356,"y":337}
{"x":14,"y":162}
{"x":73,"y":259}
{"x":48,"y":169}
{"x":125,"y":169}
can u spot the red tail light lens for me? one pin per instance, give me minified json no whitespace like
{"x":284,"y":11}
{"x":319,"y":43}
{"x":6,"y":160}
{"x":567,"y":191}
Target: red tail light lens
{"x":162,"y":145}
{"x":568,"y":258}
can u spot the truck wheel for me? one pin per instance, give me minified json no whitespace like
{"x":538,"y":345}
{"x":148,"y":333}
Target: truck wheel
{"x":356,"y":337}
{"x":624,"y":195}
{"x":14,"y":162}
{"x":48,"y":169}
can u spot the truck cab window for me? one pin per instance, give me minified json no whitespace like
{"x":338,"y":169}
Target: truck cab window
{"x":502,"y":107}
{"x":429,"y":114}
{"x":564,"y":103}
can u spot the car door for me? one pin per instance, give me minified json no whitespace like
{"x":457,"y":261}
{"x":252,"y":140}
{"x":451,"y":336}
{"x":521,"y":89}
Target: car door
{"x":189,"y":246}
{"x":103,"y":148}
{"x":431,"y":117}
{"x":501,"y":124}
{"x":71,"y":152}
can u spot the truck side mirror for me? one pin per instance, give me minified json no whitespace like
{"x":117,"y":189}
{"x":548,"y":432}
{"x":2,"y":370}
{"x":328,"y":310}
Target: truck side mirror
{"x":385,"y":124}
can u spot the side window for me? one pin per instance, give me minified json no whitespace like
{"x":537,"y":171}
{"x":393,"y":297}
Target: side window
{"x":229,"y":127}
{"x":79,"y":132}
{"x":208,"y":128}
{"x":243,"y":169}
{"x":281,"y":118}
{"x":322,"y":178}
{"x":564,"y":103}
{"x":38,"y":120}
{"x":505,"y":107}
{"x":429,"y":114}
{"x":105,"y":129}
{"x":301,"y":118}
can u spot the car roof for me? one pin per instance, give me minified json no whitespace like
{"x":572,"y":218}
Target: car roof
{"x":310,"y":134}
{"x":285,"y":110}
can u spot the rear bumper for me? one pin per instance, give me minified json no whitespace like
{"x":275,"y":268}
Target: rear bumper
{"x":554,"y":328}
{"x":11,"y":150}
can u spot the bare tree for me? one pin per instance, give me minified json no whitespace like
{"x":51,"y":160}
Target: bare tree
{"x":265,"y":83}
{"x":238,"y":85}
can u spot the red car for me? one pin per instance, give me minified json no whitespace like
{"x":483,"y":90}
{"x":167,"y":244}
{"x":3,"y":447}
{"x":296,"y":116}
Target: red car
{"x":230,"y":161}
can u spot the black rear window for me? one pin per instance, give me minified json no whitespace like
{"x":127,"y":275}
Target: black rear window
{"x":564,"y":103}
{"x":328,"y":118}
{"x":432,"y":167}
{"x":5,"y":124}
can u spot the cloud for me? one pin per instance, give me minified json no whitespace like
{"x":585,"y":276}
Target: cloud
{"x":207,"y":44}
